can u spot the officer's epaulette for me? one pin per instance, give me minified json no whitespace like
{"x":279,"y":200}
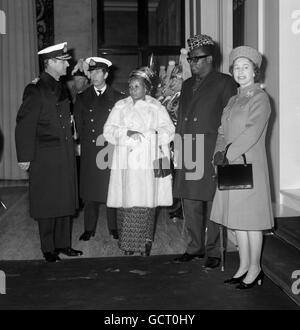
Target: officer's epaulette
{"x":35,"y":80}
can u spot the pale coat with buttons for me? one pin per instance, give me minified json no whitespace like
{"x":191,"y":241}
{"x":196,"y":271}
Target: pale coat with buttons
{"x":91,"y":112}
{"x":244,"y":125}
{"x":44,"y":138}
{"x":132,"y":182}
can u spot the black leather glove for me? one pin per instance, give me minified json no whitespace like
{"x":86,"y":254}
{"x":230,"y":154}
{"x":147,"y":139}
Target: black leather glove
{"x":219,"y":158}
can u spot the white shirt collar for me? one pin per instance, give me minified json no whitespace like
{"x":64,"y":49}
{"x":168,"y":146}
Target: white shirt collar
{"x":102,"y":90}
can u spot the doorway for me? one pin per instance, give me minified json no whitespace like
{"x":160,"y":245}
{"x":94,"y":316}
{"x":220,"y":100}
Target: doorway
{"x":130,"y":32}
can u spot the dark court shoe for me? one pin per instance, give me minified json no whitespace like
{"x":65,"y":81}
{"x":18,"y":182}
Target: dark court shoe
{"x":212,"y":262}
{"x":51,"y":257}
{"x":114,"y":234}
{"x":258,"y":281}
{"x":69,"y":252}
{"x":235,"y":280}
{"x":188,"y":257}
{"x":86,"y":236}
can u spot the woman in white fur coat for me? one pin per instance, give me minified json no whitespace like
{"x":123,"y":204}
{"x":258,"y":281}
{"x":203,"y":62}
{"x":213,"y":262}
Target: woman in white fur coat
{"x":133,"y":189}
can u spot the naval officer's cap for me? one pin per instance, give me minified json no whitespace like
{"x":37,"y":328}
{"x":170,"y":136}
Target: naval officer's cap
{"x":58,"y":52}
{"x":96,"y":63}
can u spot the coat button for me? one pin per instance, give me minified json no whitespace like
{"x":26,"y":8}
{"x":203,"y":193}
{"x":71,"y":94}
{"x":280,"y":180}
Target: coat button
{"x":92,"y":120}
{"x":91,"y":110}
{"x":93,"y":130}
{"x":195,"y":119}
{"x":60,"y":116}
{"x":93,"y":141}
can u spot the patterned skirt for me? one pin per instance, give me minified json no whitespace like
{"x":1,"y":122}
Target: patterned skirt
{"x":136,"y":227}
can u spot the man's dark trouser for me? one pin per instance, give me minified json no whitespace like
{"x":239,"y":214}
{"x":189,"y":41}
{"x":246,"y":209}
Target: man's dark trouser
{"x":196,"y":215}
{"x":55,"y":233}
{"x":91,"y":214}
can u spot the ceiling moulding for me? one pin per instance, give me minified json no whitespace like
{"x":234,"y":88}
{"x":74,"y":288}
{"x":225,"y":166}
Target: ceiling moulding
{"x":128,"y":5}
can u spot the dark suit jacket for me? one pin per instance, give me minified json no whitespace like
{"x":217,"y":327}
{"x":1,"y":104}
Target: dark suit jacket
{"x":91,"y":112}
{"x":200,"y":113}
{"x":44,"y":138}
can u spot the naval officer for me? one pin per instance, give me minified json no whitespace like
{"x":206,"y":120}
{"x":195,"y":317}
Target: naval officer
{"x":45,"y":148}
{"x":91,"y":111}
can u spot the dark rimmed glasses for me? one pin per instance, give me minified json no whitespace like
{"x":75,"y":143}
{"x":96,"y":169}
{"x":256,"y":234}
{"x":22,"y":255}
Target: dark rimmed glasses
{"x":195,"y":59}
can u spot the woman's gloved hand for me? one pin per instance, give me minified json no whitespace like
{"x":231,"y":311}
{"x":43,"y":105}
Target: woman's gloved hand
{"x":135,"y":135}
{"x":219,"y":158}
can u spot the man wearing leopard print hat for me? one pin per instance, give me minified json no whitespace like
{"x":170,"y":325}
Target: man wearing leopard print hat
{"x":203,"y":98}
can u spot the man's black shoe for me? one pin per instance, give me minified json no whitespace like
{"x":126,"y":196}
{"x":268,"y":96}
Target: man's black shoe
{"x":212,"y":262}
{"x":69,"y":252}
{"x":51,"y":257}
{"x":86,"y":236}
{"x":188,"y":257}
{"x":114,"y":233}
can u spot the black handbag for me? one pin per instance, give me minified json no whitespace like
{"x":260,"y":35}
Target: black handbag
{"x":161,"y":166}
{"x":234,"y":176}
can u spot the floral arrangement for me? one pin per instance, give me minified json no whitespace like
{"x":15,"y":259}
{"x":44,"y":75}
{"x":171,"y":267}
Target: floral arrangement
{"x":170,"y":82}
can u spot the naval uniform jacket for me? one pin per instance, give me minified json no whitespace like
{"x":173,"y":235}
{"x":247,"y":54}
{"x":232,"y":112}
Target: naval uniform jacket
{"x":91,"y":112}
{"x":44,"y":138}
{"x":200,"y":114}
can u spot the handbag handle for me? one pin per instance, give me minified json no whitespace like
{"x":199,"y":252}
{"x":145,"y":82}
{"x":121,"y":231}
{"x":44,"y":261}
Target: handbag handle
{"x":157,"y":146}
{"x":225,"y":153}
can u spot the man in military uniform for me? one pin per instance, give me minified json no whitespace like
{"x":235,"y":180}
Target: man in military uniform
{"x":203,"y":98}
{"x":91,"y":111}
{"x":45,"y":148}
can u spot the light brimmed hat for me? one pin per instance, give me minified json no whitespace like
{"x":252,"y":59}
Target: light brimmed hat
{"x":96,"y":63}
{"x":245,"y":51}
{"x":58,"y":51}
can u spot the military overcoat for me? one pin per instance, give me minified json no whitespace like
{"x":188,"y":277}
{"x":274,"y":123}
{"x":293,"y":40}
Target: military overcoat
{"x":91,"y":112}
{"x":44,"y":138}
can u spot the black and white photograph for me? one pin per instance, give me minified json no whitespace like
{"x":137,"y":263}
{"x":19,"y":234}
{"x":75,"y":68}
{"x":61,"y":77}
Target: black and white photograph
{"x":149,"y":158}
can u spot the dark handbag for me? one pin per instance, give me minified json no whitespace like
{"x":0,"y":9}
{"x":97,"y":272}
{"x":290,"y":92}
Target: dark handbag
{"x":161,"y":166}
{"x":234,"y":176}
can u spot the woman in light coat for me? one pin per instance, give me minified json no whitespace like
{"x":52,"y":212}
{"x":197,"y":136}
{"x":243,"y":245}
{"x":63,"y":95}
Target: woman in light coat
{"x":132,"y":126}
{"x":244,"y":124}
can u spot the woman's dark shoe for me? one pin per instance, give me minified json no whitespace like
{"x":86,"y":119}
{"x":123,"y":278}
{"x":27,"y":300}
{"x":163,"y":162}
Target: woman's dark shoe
{"x":128,"y":253}
{"x":258,"y":281}
{"x":235,"y":280}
